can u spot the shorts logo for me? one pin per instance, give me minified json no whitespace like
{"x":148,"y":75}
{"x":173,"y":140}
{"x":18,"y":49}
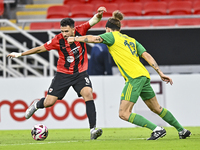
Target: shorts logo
{"x":50,"y":90}
{"x":87,"y":81}
{"x":122,"y":95}
{"x":70,"y":59}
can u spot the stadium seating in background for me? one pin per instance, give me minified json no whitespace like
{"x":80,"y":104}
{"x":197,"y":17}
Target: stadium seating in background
{"x":75,"y":2}
{"x":155,"y":8}
{"x":145,"y":1}
{"x":131,"y":9}
{"x":77,"y":23}
{"x":56,"y":25}
{"x":188,"y":22}
{"x":123,"y":23}
{"x":82,"y":11}
{"x":180,"y":8}
{"x":103,"y":23}
{"x":71,"y":2}
{"x":87,"y":8}
{"x":109,"y":1}
{"x":196,"y":7}
{"x":163,"y":22}
{"x":139,"y":23}
{"x":110,"y":7}
{"x":1,"y":8}
{"x":86,"y":1}
{"x":59,"y":11}
{"x":41,"y":25}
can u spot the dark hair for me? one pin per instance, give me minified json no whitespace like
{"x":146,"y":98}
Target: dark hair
{"x":67,"y":22}
{"x":115,"y":21}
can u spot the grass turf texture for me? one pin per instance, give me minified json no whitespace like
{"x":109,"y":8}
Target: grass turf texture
{"x":111,"y":139}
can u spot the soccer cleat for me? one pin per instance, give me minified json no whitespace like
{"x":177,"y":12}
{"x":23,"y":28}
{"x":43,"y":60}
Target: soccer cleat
{"x":96,"y":133}
{"x":30,"y":111}
{"x":157,"y":134}
{"x":183,"y":134}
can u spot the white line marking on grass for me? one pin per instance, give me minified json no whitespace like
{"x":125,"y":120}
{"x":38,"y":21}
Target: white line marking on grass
{"x":138,"y":139}
{"x":39,"y":142}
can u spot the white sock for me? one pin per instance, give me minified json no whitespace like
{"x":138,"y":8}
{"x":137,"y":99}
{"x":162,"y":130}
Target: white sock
{"x":157,"y":128}
{"x":91,"y":130}
{"x":183,"y":131}
{"x":35,"y":105}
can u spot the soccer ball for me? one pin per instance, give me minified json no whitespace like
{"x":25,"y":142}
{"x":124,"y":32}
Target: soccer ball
{"x":39,"y":132}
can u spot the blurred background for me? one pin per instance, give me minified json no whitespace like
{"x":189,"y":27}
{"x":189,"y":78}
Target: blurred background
{"x":168,"y":29}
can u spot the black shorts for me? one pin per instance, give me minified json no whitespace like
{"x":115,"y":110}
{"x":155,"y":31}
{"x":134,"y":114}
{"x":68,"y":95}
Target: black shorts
{"x":62,"y":82}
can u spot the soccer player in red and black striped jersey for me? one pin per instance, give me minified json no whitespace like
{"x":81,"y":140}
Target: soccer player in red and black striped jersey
{"x":71,"y":69}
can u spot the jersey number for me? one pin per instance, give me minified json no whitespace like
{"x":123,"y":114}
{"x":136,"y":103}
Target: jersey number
{"x":131,"y":46}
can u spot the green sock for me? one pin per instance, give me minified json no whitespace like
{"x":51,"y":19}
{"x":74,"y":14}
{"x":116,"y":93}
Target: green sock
{"x":141,"y":121}
{"x":169,"y":118}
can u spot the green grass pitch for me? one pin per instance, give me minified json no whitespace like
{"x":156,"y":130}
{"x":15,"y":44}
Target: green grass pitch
{"x":111,"y":139}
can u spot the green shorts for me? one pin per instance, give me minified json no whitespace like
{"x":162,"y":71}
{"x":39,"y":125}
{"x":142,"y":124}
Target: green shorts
{"x":137,"y":87}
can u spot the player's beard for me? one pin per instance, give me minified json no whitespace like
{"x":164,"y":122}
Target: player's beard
{"x":66,"y":37}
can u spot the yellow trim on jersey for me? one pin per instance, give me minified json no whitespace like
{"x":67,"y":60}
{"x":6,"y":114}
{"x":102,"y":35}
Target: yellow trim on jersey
{"x":124,"y":53}
{"x":128,"y":92}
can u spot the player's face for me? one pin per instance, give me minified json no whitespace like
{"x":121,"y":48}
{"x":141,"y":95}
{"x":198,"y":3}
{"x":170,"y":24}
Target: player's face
{"x":67,"y":31}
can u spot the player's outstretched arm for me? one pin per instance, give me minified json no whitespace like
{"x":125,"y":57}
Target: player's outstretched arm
{"x":35,"y":50}
{"x":85,"y":39}
{"x":97,"y":17}
{"x":154,"y":65}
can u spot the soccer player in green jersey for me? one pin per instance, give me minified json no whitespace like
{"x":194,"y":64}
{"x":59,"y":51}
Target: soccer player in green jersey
{"x":126,"y":51}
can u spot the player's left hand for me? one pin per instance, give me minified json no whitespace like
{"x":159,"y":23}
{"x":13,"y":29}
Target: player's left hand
{"x":100,"y":11}
{"x":166,"y":79}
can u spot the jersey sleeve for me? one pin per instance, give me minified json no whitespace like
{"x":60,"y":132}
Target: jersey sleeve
{"x":52,"y":44}
{"x":140,"y":48}
{"x":108,"y":38}
{"x":83,"y":28}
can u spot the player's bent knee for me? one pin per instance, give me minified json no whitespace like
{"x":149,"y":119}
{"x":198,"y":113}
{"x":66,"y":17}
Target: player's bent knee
{"x":122,"y":115}
{"x":87,"y":96}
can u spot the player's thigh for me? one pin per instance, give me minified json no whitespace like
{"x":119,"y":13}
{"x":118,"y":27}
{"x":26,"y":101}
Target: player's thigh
{"x":83,"y":86}
{"x":132,"y":89}
{"x":147,"y":91}
{"x":148,"y":95}
{"x":60,"y":85}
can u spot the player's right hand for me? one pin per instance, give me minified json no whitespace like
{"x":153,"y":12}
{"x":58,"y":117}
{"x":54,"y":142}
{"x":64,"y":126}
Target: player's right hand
{"x":14,"y":55}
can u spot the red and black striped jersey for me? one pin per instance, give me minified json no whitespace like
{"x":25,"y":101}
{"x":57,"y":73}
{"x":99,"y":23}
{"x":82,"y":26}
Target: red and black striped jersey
{"x":72,"y":57}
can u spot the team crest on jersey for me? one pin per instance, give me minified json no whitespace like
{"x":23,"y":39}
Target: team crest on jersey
{"x":50,"y":90}
{"x":70,"y":59}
